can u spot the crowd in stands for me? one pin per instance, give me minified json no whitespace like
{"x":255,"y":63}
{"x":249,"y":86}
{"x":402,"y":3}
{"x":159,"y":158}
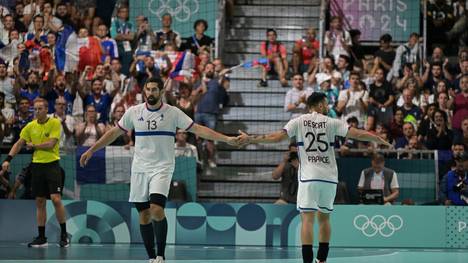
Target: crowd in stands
{"x":91,"y":71}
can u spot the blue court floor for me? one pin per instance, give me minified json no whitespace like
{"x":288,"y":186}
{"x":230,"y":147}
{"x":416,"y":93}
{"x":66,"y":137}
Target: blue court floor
{"x":19,"y":253}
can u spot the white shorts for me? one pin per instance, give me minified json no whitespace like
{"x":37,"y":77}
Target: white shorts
{"x":142,"y":184}
{"x":316,"y":196}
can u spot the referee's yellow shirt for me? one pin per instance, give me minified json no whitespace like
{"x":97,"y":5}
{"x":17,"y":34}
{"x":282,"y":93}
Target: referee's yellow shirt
{"x":38,"y":133}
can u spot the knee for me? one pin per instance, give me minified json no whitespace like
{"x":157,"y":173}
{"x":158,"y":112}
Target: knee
{"x":145,"y":217}
{"x":157,"y":212}
{"x":56,"y":199}
{"x":40,"y":202}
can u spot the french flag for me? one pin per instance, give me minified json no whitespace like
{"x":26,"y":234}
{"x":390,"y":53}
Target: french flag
{"x":109,"y":165}
{"x":184,"y":66}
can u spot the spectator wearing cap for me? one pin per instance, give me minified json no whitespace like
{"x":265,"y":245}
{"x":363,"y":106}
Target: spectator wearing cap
{"x":295,"y":100}
{"x":337,"y":40}
{"x":276,"y":53}
{"x":378,"y":177}
{"x":381,"y":99}
{"x":324,"y":85}
{"x":198,"y":41}
{"x":408,"y":132}
{"x":166,"y":35}
{"x":305,"y":50}
{"x":353,"y":102}
{"x":7,"y":86}
{"x":385,"y":56}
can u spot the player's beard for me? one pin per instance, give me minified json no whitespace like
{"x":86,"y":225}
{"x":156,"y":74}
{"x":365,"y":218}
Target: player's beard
{"x":152,"y":100}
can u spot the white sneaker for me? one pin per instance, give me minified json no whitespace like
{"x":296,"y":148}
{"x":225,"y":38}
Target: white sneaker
{"x":211,"y":163}
{"x":317,"y":261}
{"x":159,"y":259}
{"x":152,"y":260}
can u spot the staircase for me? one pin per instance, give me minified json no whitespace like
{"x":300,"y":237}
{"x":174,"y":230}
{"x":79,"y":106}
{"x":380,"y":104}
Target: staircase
{"x":244,"y":175}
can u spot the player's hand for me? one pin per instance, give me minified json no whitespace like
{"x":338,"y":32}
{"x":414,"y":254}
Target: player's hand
{"x":233,"y":141}
{"x":29,"y":146}
{"x":85,"y":158}
{"x":243,"y":138}
{"x":6,"y":166}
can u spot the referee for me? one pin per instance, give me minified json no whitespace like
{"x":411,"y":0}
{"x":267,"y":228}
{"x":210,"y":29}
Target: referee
{"x":43,"y":135}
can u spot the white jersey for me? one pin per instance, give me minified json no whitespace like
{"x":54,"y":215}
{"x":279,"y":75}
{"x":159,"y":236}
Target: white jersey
{"x":154,"y":136}
{"x":315,"y":135}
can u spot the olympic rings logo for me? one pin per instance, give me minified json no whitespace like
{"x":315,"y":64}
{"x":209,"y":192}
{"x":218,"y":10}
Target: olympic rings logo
{"x":378,"y":224}
{"x":181,"y":10}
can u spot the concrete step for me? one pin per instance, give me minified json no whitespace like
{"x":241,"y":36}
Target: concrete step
{"x":255,"y":113}
{"x":256,"y":99}
{"x":245,"y":73}
{"x":237,"y":58}
{"x":274,"y":22}
{"x":252,"y":158}
{"x":250,"y":46}
{"x":250,"y":127}
{"x":260,"y":34}
{"x":276,"y":11}
{"x":276,"y":2}
{"x":248,"y":85}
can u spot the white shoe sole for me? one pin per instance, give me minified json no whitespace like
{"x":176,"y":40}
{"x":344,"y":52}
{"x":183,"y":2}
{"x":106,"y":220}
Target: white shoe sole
{"x":39,"y":246}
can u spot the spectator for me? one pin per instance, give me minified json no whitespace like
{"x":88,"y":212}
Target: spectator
{"x":408,"y":133}
{"x":437,"y":56}
{"x":439,"y":136}
{"x":433,"y":75}
{"x":325,"y":86}
{"x":144,"y":67}
{"x":23,"y":116}
{"x":109,"y":46}
{"x":463,"y":72}
{"x":66,"y":141}
{"x":385,"y":56}
{"x":439,"y":21}
{"x":396,"y":126}
{"x":305,"y":50}
{"x":342,"y":66}
{"x":337,"y":40}
{"x":183,"y":148}
{"x":61,"y":12}
{"x":411,"y":112}
{"x":357,"y":50}
{"x":6,"y":119}
{"x":457,"y":181}
{"x":121,"y":31}
{"x":461,"y":21}
{"x":51,"y":23}
{"x":60,"y":89}
{"x":36,"y":32}
{"x":208,"y":97}
{"x":7,"y":86}
{"x":462,"y":136}
{"x":23,"y":178}
{"x":381,"y":100}
{"x":427,"y":122}
{"x":166,"y":35}
{"x":347,"y":144}
{"x":295,"y":100}
{"x":410,"y":78}
{"x":89,"y":131}
{"x":443,"y":104}
{"x":406,"y":53}
{"x":124,"y":139}
{"x":353,"y":102}
{"x":460,"y":104}
{"x":287,"y":171}
{"x":8,"y":25}
{"x":276,"y":53}
{"x":144,"y":38}
{"x":198,"y":41}
{"x":4,"y":184}
{"x":412,"y":149}
{"x":382,"y":131}
{"x":336,"y":81}
{"x":457,"y":150}
{"x":101,"y":101}
{"x":378,"y":177}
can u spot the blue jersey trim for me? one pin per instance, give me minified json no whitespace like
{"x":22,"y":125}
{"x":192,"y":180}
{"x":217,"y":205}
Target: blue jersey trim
{"x":317,"y":180}
{"x":154,"y":133}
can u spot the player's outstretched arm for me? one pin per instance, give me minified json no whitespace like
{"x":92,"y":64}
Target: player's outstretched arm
{"x":363,"y":135}
{"x":274,"y":137}
{"x":209,"y":134}
{"x":105,"y":140}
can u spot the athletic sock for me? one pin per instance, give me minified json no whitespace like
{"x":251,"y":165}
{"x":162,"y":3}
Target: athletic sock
{"x":41,"y":230}
{"x":307,"y":253}
{"x":322,"y":253}
{"x":63,"y":230}
{"x":148,"y":239}
{"x":160,"y":230}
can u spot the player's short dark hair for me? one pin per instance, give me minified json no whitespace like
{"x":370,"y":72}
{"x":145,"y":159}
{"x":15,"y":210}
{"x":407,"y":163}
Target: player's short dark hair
{"x":346,"y":58}
{"x":271,"y":30}
{"x":155,"y":80}
{"x":298,"y":74}
{"x":315,"y":98}
{"x":352,"y":120}
{"x":414,"y":34}
{"x":354,"y":73}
